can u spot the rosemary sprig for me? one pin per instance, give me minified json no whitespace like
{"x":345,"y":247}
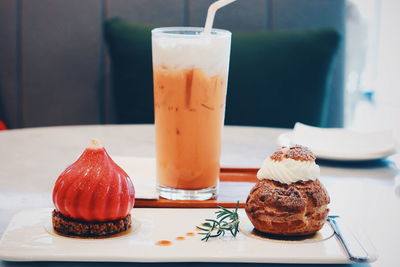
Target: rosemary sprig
{"x":226,"y":220}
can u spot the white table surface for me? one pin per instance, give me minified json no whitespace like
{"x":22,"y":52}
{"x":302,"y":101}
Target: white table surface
{"x":31,"y":160}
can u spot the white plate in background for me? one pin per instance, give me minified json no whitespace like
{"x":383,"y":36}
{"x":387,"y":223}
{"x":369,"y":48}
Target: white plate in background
{"x":341,"y":144}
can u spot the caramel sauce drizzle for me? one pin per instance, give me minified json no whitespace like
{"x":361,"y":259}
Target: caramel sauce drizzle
{"x":179,"y":238}
{"x":163,"y":243}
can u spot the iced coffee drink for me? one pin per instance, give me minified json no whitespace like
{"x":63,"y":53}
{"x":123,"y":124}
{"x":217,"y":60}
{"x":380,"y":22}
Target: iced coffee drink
{"x":190,"y":80}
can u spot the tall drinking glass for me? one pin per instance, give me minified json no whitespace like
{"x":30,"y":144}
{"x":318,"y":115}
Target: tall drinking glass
{"x":190,"y":72}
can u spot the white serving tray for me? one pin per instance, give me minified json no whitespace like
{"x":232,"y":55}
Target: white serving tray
{"x":29,"y":237}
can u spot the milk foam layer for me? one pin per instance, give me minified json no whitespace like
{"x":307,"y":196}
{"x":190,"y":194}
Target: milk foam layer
{"x":181,"y":51}
{"x":288,"y":170}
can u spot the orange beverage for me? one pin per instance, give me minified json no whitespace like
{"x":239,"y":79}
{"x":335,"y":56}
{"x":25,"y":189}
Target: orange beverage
{"x":189,"y":103}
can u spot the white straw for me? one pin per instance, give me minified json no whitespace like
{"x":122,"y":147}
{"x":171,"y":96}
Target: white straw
{"x":211,"y":13}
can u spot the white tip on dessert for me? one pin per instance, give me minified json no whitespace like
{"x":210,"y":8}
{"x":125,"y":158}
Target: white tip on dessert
{"x":95,"y":144}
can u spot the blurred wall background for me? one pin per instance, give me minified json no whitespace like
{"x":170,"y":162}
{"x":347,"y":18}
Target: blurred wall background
{"x":373,"y":102}
{"x":54,"y":68}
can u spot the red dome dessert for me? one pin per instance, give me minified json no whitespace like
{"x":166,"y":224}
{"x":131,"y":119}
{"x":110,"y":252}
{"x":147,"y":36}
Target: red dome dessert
{"x":93,"y":196}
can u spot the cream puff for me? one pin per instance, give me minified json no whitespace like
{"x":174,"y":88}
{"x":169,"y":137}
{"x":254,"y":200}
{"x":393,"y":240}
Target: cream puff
{"x":289,"y":199}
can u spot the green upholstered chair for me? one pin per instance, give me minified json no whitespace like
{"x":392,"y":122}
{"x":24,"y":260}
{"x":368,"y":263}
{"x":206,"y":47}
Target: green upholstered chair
{"x":275,"y":78}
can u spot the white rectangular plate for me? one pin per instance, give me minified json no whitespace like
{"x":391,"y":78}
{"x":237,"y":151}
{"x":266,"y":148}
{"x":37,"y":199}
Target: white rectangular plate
{"x":29,"y":237}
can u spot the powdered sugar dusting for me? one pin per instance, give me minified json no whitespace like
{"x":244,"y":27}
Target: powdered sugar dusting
{"x":297,"y":152}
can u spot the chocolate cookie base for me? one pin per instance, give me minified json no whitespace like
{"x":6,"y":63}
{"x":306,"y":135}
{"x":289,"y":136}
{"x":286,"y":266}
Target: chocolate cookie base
{"x":71,"y":227}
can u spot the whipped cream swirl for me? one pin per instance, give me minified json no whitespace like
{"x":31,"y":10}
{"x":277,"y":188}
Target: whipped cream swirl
{"x":287,"y":170}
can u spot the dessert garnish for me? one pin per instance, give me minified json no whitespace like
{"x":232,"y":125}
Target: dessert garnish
{"x":226,"y":220}
{"x":289,"y":165}
{"x":93,"y":196}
